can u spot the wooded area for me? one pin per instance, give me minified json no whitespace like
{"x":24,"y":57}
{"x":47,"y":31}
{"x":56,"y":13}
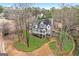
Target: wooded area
{"x":64,"y":24}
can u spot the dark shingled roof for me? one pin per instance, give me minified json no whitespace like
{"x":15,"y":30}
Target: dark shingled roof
{"x":47,"y":22}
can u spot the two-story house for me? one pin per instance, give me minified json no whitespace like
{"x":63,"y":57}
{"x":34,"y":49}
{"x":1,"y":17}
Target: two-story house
{"x":42,"y":27}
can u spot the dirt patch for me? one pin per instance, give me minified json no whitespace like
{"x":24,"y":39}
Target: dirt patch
{"x":42,"y":51}
{"x":13,"y":51}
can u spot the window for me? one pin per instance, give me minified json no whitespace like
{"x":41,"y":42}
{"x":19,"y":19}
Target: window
{"x":48,"y":27}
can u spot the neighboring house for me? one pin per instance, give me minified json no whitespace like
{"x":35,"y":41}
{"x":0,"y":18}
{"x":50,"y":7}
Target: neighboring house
{"x":42,"y":27}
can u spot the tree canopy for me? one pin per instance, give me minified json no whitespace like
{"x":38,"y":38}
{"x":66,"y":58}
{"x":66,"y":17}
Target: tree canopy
{"x":1,"y":9}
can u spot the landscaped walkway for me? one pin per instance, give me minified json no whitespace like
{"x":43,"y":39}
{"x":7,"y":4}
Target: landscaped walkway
{"x":42,"y":51}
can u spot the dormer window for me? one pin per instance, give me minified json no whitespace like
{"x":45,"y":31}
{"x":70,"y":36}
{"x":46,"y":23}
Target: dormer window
{"x":41,"y":23}
{"x":35,"y":26}
{"x":48,"y":27}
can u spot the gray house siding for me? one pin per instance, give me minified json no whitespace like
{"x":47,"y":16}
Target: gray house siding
{"x":41,"y":28}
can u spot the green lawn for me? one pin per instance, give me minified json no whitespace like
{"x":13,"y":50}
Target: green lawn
{"x":34,"y":43}
{"x":66,"y":43}
{"x":53,"y":46}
